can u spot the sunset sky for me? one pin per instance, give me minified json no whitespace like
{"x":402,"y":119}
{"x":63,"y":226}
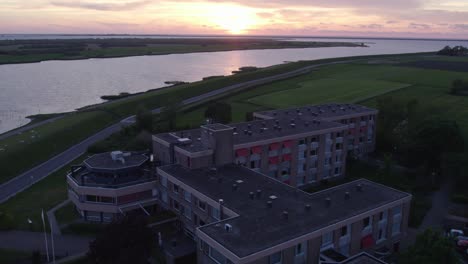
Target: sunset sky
{"x":378,"y":18}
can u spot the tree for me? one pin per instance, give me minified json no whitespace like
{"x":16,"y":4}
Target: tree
{"x":219,"y":112}
{"x":144,"y":119}
{"x":169,"y":114}
{"x":126,"y":240}
{"x":431,"y":247}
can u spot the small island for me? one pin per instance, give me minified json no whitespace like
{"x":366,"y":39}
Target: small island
{"x":36,"y":50}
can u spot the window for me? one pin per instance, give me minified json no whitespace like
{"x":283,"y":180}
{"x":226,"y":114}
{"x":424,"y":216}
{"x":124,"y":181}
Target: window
{"x":382,"y":234}
{"x":396,"y":227}
{"x":175,"y":188}
{"x":272,"y":173}
{"x":215,"y":213}
{"x":339,"y":134}
{"x":337,"y":170}
{"x":383,"y":216}
{"x":176,"y":206}
{"x":397,"y":210}
{"x":187,"y":196}
{"x":366,"y":222}
{"x":188,"y":212}
{"x":300,"y":248}
{"x":344,"y":231}
{"x":164,"y":196}
{"x":202,"y":205}
{"x":327,"y":239}
{"x":302,"y":141}
{"x":216,"y":256}
{"x":313,"y":139}
{"x":313,"y":152}
{"x":164,"y":181}
{"x":252,"y":164}
{"x":339,"y":146}
{"x":276,"y":258}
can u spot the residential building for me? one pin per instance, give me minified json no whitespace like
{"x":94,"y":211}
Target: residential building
{"x":360,"y":120}
{"x":237,"y":215}
{"x":297,"y":149}
{"x":108,"y":184}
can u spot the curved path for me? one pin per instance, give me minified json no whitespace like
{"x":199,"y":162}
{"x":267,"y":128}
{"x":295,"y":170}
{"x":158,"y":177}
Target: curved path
{"x":28,"y":178}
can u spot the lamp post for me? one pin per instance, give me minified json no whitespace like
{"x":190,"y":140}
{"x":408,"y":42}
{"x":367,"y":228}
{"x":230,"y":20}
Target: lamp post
{"x":45,"y":235}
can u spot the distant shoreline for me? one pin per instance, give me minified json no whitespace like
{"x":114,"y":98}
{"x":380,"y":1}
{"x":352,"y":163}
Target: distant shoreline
{"x":38,"y":50}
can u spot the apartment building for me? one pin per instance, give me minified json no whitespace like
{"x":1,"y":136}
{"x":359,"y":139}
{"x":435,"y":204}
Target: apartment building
{"x":237,"y":215}
{"x":361,"y":122}
{"x":295,"y":151}
{"x":109,"y":184}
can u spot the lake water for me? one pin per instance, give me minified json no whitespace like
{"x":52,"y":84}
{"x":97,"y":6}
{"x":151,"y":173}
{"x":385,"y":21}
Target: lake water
{"x":62,"y":86}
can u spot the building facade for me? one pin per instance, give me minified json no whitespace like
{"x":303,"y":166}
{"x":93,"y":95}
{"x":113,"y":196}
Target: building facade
{"x":237,"y":215}
{"x":109,"y":184}
{"x":299,"y":147}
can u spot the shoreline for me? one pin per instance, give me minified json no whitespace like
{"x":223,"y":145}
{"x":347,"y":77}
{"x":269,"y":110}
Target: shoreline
{"x":311,"y":45}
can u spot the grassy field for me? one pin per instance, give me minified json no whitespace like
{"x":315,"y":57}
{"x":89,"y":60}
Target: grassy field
{"x":12,"y":256}
{"x":43,"y":195}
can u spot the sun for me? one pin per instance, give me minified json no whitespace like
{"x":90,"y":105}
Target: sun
{"x":233,"y":19}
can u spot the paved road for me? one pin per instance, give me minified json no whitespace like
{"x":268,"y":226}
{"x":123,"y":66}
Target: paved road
{"x":26,"y":179}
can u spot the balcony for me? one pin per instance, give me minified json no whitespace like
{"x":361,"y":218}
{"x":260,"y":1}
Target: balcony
{"x":255,"y":157}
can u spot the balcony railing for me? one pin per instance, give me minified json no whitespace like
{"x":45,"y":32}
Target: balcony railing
{"x":88,"y":182}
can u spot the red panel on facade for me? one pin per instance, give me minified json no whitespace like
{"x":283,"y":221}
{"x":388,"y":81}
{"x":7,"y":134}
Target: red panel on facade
{"x":287,"y":157}
{"x":274,"y":160}
{"x":242,"y":152}
{"x":274,"y":146}
{"x":288,"y":143}
{"x":257,"y":150}
{"x":367,"y":241}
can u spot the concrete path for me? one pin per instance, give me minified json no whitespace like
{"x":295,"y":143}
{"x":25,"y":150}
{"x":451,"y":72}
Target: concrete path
{"x":28,"y":178}
{"x":440,"y":207}
{"x":65,"y":245}
{"x":54,"y":226}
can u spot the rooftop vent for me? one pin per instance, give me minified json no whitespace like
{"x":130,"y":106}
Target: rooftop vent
{"x":359,"y":187}
{"x":293,"y":125}
{"x":328,"y":202}
{"x":213,"y":171}
{"x":118,"y":156}
{"x":252,"y":195}
{"x":259,"y":194}
{"x":269,"y":204}
{"x":246,"y":131}
{"x":285,"y":215}
{"x":234,"y":187}
{"x":250,"y":133}
{"x":249,"y":126}
{"x":239,"y":181}
{"x":306,"y":124}
{"x":228,"y":227}
{"x":347,"y":195}
{"x":279,"y":128}
{"x":273,"y":197}
{"x":308,"y":207}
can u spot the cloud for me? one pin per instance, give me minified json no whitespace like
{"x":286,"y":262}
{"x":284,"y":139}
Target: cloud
{"x":108,"y":6}
{"x":392,"y":22}
{"x":372,"y":26}
{"x":460,"y":26}
{"x":419,"y":26}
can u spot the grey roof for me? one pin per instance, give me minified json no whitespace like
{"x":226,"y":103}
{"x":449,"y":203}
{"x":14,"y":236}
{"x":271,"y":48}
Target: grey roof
{"x":258,"y":227}
{"x":330,"y":111}
{"x":362,"y":258}
{"x":253,"y":131}
{"x":104,"y":161}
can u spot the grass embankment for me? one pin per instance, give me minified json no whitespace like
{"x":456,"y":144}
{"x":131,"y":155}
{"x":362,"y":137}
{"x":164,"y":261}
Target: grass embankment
{"x":24,"y":51}
{"x":13,"y":257}
{"x":22,"y":152}
{"x":43,"y":195}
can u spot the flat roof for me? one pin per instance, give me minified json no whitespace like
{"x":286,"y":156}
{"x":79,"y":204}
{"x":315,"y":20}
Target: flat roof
{"x":104,"y":161}
{"x":323,"y":111}
{"x":259,"y":227}
{"x":253,"y":131}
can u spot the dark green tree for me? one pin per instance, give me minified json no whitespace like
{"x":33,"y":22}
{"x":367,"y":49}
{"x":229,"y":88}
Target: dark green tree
{"x":144,"y":119}
{"x":219,"y":112}
{"x":126,"y":240}
{"x":431,"y":247}
{"x":169,"y":114}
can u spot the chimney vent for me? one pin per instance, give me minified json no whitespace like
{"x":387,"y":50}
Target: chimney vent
{"x":328,"y":202}
{"x":234,"y":187}
{"x":359,"y":187}
{"x":347,"y":195}
{"x":252,"y":195}
{"x":228,"y":227}
{"x":259,"y":194}
{"x":269,"y":204}
{"x":285,"y":215}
